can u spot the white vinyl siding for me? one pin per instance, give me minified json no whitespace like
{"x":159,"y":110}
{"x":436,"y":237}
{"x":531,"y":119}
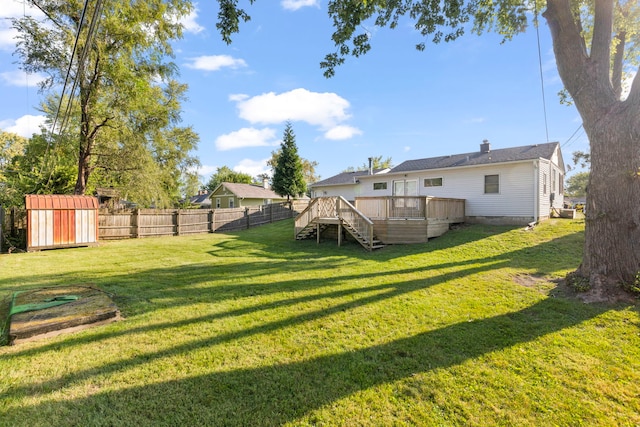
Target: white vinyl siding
{"x":516,"y":197}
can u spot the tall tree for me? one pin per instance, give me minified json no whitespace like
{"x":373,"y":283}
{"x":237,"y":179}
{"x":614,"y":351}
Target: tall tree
{"x":596,"y":45}
{"x":225,"y":174}
{"x":125,"y":93}
{"x":288,"y":179}
{"x":577,"y":184}
{"x":308,"y":167}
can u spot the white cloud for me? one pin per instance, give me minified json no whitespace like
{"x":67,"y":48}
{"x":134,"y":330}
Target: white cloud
{"x":215,"y":62}
{"x":406,"y":148}
{"x":18,"y":78}
{"x":14,"y":9}
{"x":7,"y":38}
{"x":190,"y":24}
{"x":24,"y":126}
{"x":320,"y":109}
{"x":238,"y":97}
{"x":297,"y":4}
{"x":253,"y":167}
{"x":246,"y":137}
{"x":206,"y":170}
{"x":342,"y":132}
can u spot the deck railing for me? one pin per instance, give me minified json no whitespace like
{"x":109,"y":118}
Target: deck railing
{"x":410,"y":207}
{"x":355,"y":219}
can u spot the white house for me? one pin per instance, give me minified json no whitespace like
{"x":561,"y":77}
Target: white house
{"x":515,"y":185}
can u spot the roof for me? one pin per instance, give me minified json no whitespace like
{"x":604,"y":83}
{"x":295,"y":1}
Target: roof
{"x":501,"y":155}
{"x":57,"y":201}
{"x":345,"y":178}
{"x":250,"y":191}
{"x":200,"y":198}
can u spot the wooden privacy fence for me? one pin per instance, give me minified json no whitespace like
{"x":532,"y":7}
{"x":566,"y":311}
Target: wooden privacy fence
{"x":178,"y":222}
{"x":131,"y":224}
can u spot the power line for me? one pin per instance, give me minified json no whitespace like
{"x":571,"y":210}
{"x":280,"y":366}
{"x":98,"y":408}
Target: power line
{"x":544,"y":102}
{"x":572,"y":135}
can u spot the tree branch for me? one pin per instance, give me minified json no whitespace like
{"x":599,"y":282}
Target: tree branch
{"x":568,"y":46}
{"x":601,"y":42}
{"x":618,"y":57}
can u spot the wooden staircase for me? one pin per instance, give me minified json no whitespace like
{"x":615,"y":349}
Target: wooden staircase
{"x":323,"y":211}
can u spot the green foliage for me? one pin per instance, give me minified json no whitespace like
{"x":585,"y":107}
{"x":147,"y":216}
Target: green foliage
{"x":576,"y":184}
{"x":377,"y":163}
{"x":577,"y":282}
{"x":126,"y":111}
{"x":39,"y":165}
{"x":308,"y":167}
{"x":225,"y":174}
{"x":288,"y":178}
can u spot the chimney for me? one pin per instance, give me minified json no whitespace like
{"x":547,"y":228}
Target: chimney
{"x":370,"y":165}
{"x":485,"y":147}
{"x":265,"y":182}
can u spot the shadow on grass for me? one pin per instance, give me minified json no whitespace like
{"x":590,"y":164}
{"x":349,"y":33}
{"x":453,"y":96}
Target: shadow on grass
{"x":276,"y":394}
{"x":185,"y":285}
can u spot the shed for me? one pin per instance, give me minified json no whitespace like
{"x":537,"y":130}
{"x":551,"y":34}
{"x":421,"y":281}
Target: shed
{"x":59,"y":221}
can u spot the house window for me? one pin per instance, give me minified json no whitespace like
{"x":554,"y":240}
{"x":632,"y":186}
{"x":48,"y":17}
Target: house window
{"x":231,"y":202}
{"x":433,"y":182}
{"x":544,"y":183}
{"x":405,"y":188}
{"x":379,"y":185}
{"x":491,"y":184}
{"x":217,"y":202}
{"x":560,"y":184}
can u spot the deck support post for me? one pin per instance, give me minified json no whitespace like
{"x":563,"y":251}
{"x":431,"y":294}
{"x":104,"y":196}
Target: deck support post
{"x":318,"y":233}
{"x":339,"y":233}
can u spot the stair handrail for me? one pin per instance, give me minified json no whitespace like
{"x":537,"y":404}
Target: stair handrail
{"x":356,"y":219}
{"x":306,"y":216}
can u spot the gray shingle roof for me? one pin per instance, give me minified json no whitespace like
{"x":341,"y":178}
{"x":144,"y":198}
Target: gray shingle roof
{"x":501,"y":155}
{"x":250,"y":191}
{"x":344,"y":178}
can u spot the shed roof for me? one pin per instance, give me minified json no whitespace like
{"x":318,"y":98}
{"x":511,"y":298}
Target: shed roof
{"x":58,"y":201}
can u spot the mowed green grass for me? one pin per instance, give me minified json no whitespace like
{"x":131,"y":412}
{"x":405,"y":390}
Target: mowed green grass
{"x":256,"y":329}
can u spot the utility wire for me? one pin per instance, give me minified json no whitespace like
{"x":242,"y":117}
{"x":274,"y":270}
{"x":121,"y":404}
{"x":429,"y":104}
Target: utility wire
{"x":544,"y":102}
{"x":572,"y":135}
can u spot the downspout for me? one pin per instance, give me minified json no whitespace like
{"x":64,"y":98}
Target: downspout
{"x":536,"y":191}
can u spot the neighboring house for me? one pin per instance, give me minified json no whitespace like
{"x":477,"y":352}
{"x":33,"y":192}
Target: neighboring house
{"x":515,"y":185}
{"x":232,"y":195}
{"x":201,"y":200}
{"x":344,"y":184}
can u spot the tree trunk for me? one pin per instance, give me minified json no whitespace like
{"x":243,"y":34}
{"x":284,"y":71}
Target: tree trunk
{"x":612,"y":228}
{"x":612,"y":231}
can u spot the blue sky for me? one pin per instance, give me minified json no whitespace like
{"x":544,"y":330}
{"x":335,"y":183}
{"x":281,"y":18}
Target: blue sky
{"x":393,"y":102}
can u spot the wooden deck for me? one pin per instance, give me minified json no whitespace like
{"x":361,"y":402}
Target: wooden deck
{"x":386,"y":220}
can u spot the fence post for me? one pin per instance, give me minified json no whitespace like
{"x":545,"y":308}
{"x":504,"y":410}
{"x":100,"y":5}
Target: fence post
{"x":1,"y":229}
{"x":213,"y":221}
{"x":177,"y":215}
{"x":270,"y":213}
{"x":136,"y":220}
{"x":246,"y":214}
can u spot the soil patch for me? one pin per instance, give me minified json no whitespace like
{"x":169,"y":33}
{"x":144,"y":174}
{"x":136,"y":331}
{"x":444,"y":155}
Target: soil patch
{"x":88,"y":306}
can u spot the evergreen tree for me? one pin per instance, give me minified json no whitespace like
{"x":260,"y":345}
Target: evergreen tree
{"x":288,"y":176}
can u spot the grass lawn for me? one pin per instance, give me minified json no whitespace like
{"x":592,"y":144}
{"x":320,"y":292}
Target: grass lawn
{"x":256,"y":329}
